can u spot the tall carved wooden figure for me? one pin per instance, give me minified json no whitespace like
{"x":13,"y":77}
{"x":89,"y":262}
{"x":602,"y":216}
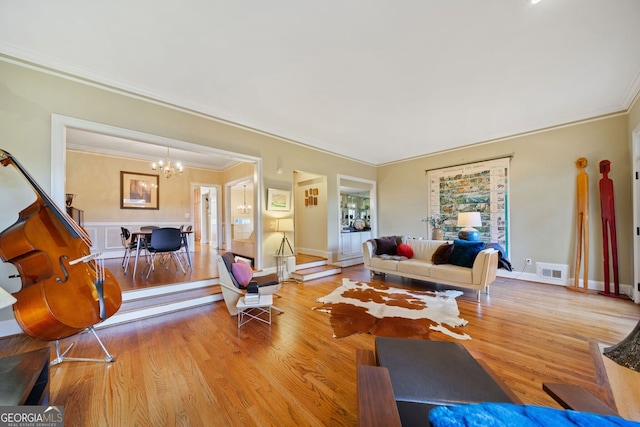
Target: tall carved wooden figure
{"x":608,"y":213}
{"x":582,"y":222}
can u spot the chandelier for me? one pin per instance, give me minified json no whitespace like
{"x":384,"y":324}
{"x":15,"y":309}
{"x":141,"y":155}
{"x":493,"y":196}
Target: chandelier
{"x":167,"y":167}
{"x":244,"y":208}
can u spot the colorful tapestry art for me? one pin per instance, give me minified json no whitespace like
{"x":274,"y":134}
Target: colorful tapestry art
{"x":475,"y":187}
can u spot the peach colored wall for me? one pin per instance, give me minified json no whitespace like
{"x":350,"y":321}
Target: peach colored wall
{"x":95,"y":179}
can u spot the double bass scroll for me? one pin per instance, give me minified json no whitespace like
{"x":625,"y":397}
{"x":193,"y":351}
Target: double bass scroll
{"x":65,"y":289}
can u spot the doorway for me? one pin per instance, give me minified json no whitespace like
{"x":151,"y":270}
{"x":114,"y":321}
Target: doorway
{"x":636,"y":214}
{"x":310,"y":214}
{"x":61,"y":124}
{"x":241,"y":227}
{"x":206,"y":211}
{"x":357,"y":217}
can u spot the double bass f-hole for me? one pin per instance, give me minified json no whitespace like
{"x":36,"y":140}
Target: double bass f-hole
{"x":64,"y":269}
{"x":84,"y":258}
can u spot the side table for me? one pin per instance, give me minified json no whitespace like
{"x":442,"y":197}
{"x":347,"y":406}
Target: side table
{"x":257,"y":311}
{"x":24,"y":378}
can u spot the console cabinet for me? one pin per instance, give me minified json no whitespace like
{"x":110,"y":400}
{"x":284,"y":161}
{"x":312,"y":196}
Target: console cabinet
{"x":351,"y":243}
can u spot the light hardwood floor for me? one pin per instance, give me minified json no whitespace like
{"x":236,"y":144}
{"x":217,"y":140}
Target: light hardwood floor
{"x":203,"y":261}
{"x":195,"y":368}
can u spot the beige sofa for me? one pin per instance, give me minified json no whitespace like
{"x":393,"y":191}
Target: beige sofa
{"x":420,"y":266}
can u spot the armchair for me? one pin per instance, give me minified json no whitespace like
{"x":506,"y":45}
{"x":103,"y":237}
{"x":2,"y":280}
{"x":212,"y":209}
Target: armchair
{"x":232,"y":289}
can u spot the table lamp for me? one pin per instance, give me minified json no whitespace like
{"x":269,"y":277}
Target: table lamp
{"x":6,"y":299}
{"x":468,"y":220}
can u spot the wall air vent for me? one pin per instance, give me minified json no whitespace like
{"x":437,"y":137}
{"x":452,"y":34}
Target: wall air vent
{"x":552,"y":273}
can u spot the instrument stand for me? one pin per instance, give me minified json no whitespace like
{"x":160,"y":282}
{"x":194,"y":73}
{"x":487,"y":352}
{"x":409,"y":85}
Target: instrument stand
{"x":60,"y":357}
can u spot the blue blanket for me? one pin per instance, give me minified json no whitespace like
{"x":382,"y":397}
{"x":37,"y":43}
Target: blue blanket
{"x":503,"y":261}
{"x":506,"y":414}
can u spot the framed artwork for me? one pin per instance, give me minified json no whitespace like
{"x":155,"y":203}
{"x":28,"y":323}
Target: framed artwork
{"x":278,"y":200}
{"x":139,"y":191}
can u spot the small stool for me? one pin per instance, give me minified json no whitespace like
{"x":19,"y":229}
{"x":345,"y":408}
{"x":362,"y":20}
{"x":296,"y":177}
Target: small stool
{"x":255,"y":311}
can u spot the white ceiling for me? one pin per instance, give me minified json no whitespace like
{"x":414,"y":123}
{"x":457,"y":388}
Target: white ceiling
{"x":373,"y":80}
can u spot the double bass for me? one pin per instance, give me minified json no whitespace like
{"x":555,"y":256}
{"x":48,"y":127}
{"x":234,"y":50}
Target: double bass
{"x":65,"y":288}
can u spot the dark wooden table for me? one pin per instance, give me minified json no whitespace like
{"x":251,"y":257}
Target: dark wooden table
{"x":24,"y":378}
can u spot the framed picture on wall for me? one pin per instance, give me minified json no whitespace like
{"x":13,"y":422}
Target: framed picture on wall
{"x":278,"y":200}
{"x":139,"y":191}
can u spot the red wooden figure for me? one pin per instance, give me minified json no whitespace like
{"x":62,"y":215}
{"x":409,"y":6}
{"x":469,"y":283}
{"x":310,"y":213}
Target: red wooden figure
{"x":608,"y":213}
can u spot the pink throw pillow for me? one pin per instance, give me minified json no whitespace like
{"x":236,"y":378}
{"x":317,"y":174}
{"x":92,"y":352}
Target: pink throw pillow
{"x":405,"y":250}
{"x":242,"y":272}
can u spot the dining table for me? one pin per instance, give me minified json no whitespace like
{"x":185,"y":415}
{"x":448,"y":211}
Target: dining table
{"x":143,"y":238}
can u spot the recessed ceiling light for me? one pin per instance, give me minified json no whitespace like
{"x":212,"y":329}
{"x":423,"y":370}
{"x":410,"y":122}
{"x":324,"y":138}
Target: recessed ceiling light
{"x":535,"y":1}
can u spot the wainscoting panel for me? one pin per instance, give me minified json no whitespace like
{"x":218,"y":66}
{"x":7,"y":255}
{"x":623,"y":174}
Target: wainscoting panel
{"x":105,"y":236}
{"x":112,"y":238}
{"x":93,"y":234}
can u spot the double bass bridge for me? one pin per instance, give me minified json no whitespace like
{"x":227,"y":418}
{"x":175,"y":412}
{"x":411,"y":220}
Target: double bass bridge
{"x":98,"y":282}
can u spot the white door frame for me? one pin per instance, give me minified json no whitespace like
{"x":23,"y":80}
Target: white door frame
{"x":218,"y":192}
{"x":60,"y":123}
{"x":635,"y":167}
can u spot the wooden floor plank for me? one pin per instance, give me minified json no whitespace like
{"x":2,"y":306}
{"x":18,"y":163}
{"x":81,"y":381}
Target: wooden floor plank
{"x":195,"y":367}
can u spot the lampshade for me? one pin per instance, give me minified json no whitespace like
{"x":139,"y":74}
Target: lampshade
{"x":285,"y":224}
{"x":6,"y":299}
{"x":469,"y":219}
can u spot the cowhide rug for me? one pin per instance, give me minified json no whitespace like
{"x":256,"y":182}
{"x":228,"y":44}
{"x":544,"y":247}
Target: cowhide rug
{"x":391,"y":312}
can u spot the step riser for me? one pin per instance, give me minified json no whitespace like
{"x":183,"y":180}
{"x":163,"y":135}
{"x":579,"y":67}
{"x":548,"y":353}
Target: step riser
{"x":311,"y":264}
{"x":156,"y":310}
{"x":311,"y":276}
{"x":156,"y":291}
{"x":349,"y":262}
{"x":153,"y":308}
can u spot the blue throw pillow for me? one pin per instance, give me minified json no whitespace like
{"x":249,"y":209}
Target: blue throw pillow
{"x":464,"y":252}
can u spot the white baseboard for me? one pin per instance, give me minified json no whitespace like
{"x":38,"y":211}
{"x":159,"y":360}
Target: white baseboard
{"x":349,"y":262}
{"x":9,"y":327}
{"x":314,"y":252}
{"x":532,"y":277}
